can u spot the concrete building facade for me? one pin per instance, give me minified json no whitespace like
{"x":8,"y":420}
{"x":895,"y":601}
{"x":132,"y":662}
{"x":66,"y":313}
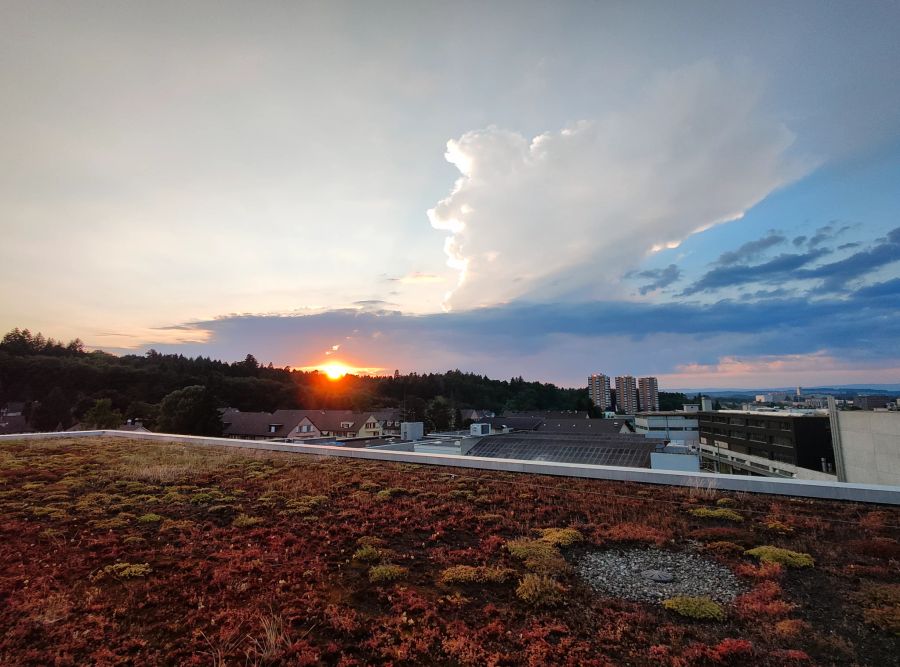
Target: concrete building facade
{"x":867,"y":446}
{"x":648,"y":393}
{"x":599,"y":391}
{"x":626,"y":394}
{"x":673,"y":426}
{"x":871,"y":402}
{"x":675,"y":457}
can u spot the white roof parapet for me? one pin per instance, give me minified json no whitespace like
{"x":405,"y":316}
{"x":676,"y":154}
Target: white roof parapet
{"x":865,"y":493}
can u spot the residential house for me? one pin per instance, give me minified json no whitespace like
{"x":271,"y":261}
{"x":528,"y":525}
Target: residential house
{"x":13,"y":409}
{"x":250,"y":425}
{"x":12,"y":418}
{"x":389,"y":419}
{"x":471,"y":415}
{"x":299,"y":424}
{"x":14,"y":424}
{"x":336,"y":423}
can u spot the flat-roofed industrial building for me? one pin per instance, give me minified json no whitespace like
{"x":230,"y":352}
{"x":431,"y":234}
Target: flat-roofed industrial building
{"x":744,"y":441}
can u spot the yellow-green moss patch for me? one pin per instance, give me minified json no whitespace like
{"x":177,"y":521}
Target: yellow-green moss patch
{"x":368,"y":554}
{"x":786,"y":557}
{"x":537,"y":555}
{"x":561,"y":537}
{"x":385,"y":573}
{"x":245,"y":521}
{"x":539,"y":590}
{"x":128,"y":570}
{"x":699,"y":608}
{"x":719,"y":513}
{"x":472,"y":574}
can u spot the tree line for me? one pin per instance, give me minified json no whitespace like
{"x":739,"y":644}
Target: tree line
{"x":63,"y":384}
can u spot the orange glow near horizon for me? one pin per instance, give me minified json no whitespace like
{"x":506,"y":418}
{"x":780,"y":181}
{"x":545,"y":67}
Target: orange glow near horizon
{"x":335,"y":370}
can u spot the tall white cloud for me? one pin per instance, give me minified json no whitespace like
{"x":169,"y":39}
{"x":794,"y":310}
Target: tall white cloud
{"x":564,"y":214}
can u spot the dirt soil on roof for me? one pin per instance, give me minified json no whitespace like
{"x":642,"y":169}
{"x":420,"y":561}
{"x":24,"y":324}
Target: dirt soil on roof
{"x":118,"y":552}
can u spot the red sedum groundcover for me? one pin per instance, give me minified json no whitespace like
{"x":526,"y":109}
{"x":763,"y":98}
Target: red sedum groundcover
{"x":116,"y":552}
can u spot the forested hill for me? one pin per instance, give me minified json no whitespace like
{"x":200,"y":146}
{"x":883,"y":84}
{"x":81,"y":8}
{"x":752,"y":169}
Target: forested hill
{"x":66,"y":380}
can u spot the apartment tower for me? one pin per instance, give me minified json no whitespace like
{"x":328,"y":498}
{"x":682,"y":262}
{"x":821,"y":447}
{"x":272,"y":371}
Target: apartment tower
{"x":626,"y":394}
{"x":648,"y":392}
{"x":599,"y":391}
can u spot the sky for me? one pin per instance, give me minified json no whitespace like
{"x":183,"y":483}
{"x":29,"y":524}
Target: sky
{"x":707,"y":192}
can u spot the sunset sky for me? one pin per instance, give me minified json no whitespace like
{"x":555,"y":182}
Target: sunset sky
{"x":708,"y":192}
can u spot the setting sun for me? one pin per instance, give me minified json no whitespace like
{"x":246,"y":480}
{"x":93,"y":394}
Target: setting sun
{"x":334,"y":370}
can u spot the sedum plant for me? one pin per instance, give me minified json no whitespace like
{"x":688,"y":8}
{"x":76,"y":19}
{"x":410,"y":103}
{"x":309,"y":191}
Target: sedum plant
{"x":699,"y":608}
{"x":539,"y":590}
{"x":718,"y":513}
{"x":786,"y":557}
{"x":385,"y":573}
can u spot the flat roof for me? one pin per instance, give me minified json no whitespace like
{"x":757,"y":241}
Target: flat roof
{"x":669,"y":413}
{"x":770,"y":413}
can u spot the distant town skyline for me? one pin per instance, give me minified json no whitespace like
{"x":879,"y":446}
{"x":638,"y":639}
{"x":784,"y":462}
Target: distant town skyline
{"x":518,"y":188}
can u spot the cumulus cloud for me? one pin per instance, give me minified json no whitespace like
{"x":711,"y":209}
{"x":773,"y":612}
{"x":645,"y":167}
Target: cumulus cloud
{"x":565,"y":213}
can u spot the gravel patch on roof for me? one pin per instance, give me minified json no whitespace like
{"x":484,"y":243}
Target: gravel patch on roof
{"x":651,"y":575}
